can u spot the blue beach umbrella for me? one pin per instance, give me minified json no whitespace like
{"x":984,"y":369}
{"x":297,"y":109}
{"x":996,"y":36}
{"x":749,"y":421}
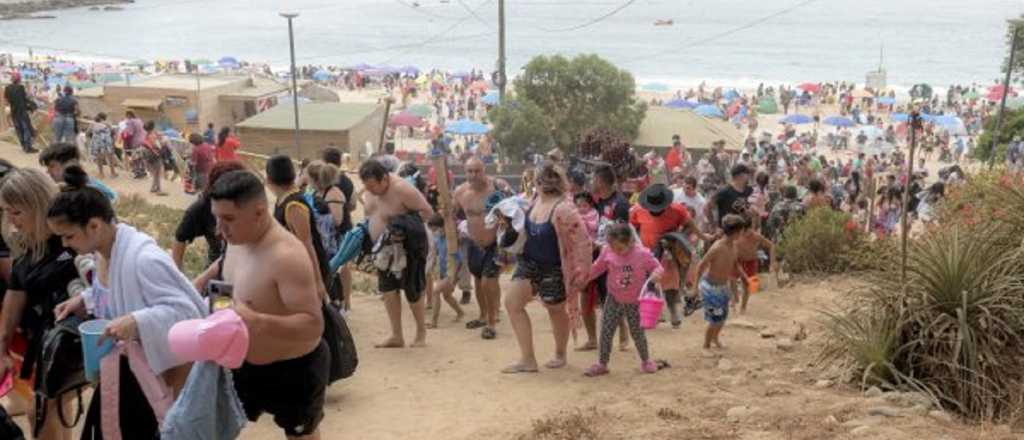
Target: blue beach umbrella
{"x":228,"y":62}
{"x":899,"y":117}
{"x":29,"y":73}
{"x":796,"y":119}
{"x":709,"y":111}
{"x":321,"y":75}
{"x":466,"y":127}
{"x":681,"y":103}
{"x":947,"y":121}
{"x":838,"y":121}
{"x":885,"y":100}
{"x":491,"y":98}
{"x":361,"y":67}
{"x":409,"y":70}
{"x":731,"y":95}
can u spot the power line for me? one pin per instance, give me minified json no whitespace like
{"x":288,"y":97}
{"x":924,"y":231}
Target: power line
{"x":442,"y":33}
{"x":421,"y":10}
{"x":594,"y":21}
{"x":725,"y":33}
{"x":475,"y":15}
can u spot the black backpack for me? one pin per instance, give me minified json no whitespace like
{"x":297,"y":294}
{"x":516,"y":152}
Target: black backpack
{"x":8,"y":429}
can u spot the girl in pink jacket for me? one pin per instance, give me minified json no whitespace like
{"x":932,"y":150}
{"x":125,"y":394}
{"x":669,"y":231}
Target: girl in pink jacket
{"x":628,"y":264}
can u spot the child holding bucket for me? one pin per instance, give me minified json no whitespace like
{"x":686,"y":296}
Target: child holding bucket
{"x":748,"y":243}
{"x":628,"y":264}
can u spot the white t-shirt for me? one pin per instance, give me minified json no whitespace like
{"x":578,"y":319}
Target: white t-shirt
{"x":695,"y":203}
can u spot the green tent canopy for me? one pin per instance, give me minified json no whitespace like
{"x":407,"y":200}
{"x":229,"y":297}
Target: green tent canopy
{"x":767,"y":106}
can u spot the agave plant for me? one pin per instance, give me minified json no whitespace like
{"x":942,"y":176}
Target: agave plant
{"x":954,"y":329}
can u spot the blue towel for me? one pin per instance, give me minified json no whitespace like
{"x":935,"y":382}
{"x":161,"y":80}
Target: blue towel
{"x":207,"y":409}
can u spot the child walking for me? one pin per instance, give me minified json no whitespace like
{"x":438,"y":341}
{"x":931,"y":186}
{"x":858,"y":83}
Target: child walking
{"x":627,"y":263}
{"x":718,"y":267}
{"x":446,"y":283}
{"x":748,"y":243}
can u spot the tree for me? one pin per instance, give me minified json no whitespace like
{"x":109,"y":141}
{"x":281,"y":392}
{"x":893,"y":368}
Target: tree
{"x":576,"y":95}
{"x":519,"y":124}
{"x":1013,"y":126}
{"x":1018,"y":59}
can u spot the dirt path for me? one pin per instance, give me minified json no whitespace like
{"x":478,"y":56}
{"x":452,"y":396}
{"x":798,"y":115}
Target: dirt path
{"x":453,"y":389}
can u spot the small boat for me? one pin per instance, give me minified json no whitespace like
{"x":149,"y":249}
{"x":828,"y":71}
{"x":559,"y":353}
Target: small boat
{"x":668,"y":22}
{"x":415,"y":4}
{"x":113,"y":8}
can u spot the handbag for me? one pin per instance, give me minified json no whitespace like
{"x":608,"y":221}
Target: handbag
{"x":344,"y":358}
{"x":60,"y":369}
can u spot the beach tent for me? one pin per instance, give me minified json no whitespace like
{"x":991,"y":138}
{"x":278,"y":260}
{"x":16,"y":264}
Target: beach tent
{"x":696,"y":131}
{"x":709,"y":111}
{"x":731,"y":95}
{"x":491,"y":98}
{"x":767,"y":106}
{"x":321,"y":75}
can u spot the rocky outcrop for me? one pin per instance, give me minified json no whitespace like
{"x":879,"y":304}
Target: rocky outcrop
{"x":25,"y":9}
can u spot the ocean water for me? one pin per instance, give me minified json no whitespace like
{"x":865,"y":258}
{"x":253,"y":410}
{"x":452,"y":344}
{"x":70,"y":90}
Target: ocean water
{"x":733,"y":42}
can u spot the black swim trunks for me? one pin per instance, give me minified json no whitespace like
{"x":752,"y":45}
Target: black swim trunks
{"x":483,"y":262}
{"x":388,"y":282}
{"x":292,"y":391}
{"x":547,"y":281}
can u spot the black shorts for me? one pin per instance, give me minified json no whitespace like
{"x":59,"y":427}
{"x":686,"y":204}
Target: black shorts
{"x":483,"y":262}
{"x":388,"y":282}
{"x":292,"y":391}
{"x":546,"y":280}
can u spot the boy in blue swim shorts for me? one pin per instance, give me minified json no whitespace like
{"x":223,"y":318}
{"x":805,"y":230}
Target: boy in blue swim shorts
{"x":719,"y":265}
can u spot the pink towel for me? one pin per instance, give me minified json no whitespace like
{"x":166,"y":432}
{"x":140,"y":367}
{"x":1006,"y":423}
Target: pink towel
{"x":155,"y":389}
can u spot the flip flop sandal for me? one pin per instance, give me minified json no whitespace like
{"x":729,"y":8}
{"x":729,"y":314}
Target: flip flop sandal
{"x":488,"y":333}
{"x":475,"y":324}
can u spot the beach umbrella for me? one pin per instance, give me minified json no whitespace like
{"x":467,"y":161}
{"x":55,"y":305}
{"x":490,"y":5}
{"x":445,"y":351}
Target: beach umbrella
{"x":321,"y":75}
{"x":947,"y":120}
{"x":709,"y":111}
{"x":861,"y":93}
{"x":681,"y":103}
{"x":809,"y":87}
{"x":466,"y":127}
{"x":459,"y":74}
{"x":29,"y":73}
{"x":973,"y":94}
{"x":140,"y":63}
{"x":409,"y":70}
{"x":491,"y":98}
{"x":838,"y":121}
{"x":201,"y":61}
{"x":405,"y":119}
{"x":655,"y":87}
{"x":885,"y":100}
{"x":479,"y":86}
{"x":995,"y":93}
{"x":228,"y":62}
{"x":796,"y":119}
{"x":56,"y":81}
{"x":361,"y":67}
{"x":899,"y":117}
{"x":421,"y":110}
{"x":731,"y":95}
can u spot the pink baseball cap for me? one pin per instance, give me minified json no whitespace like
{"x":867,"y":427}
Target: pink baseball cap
{"x":221,"y":337}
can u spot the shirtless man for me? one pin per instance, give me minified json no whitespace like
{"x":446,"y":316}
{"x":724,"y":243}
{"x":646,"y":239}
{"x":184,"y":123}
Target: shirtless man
{"x":386,"y":197}
{"x":286,"y":369}
{"x":718,"y":267}
{"x":471,"y":196}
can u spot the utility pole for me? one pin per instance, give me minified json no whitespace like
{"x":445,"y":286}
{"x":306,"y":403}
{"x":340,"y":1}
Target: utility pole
{"x":1006,"y":91}
{"x":501,"y":80}
{"x":295,"y":82}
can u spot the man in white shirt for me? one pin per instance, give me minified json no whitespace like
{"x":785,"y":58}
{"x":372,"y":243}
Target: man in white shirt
{"x":689,"y":197}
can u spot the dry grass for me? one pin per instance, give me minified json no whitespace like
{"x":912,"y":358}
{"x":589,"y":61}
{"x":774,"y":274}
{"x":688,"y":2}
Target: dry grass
{"x":577,"y":424}
{"x":160,"y":222}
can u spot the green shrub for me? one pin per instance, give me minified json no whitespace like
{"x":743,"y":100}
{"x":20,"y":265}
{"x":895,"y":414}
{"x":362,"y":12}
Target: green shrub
{"x":820,"y":242}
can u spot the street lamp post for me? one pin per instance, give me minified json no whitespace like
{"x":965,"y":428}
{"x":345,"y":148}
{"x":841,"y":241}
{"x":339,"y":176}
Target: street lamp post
{"x":295,"y":87}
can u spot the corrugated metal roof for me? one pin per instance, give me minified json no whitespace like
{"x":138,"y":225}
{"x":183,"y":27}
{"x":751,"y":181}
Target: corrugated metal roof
{"x":318,"y":116}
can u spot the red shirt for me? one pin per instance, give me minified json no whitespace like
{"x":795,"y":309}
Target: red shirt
{"x":202,"y":158}
{"x":673,"y":159}
{"x":652,"y":227}
{"x":227,"y":151}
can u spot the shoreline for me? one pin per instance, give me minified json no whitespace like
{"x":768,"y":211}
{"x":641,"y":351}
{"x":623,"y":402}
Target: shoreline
{"x":25,"y":9}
